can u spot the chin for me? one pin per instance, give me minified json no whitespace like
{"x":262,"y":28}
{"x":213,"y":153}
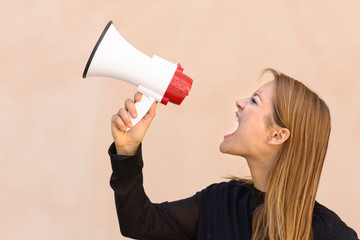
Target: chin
{"x":224,"y":148}
{"x":230,"y":149}
{"x":221,"y":149}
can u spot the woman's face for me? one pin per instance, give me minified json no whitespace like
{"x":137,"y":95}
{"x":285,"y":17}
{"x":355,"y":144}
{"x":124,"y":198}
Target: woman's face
{"x":251,"y":136}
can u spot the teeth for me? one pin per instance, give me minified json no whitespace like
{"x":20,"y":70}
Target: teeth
{"x":236,"y":118}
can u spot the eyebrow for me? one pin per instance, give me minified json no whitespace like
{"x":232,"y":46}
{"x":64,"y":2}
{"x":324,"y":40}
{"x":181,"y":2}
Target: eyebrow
{"x":257,"y":94}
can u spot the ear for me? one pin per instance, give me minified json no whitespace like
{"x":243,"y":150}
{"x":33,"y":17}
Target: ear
{"x":279,"y":136}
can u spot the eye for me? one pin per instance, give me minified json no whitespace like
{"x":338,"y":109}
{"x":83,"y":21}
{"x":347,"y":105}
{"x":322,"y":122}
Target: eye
{"x":253,"y":100}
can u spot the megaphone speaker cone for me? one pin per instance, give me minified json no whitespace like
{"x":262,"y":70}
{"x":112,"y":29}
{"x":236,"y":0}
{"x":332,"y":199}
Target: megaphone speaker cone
{"x":95,"y":49}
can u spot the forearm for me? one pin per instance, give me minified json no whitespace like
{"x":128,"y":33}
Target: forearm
{"x":126,"y":181}
{"x":138,"y":217}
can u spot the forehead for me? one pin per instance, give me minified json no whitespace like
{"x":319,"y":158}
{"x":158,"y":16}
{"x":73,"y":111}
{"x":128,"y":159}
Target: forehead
{"x":266,"y":91}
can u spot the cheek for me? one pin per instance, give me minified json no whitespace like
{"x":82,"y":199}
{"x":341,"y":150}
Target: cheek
{"x":249,"y":137}
{"x":254,"y":128}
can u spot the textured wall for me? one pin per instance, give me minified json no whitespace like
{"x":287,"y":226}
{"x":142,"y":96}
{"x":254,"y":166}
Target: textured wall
{"x":55,"y":126}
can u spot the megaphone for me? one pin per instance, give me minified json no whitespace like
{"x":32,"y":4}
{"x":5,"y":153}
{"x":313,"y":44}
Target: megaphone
{"x":156,"y":78}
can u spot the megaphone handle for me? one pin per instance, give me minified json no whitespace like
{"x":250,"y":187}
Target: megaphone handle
{"x":142,"y":108}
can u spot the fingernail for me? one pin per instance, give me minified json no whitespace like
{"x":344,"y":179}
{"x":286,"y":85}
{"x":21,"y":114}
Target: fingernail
{"x":130,"y":125}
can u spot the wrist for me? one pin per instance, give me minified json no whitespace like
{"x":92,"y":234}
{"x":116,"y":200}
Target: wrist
{"x":127,"y":150}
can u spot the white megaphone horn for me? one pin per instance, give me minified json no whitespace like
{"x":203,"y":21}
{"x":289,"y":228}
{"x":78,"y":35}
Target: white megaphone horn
{"x":157,"y":79}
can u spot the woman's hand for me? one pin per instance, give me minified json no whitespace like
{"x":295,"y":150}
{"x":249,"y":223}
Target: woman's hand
{"x":127,"y":142}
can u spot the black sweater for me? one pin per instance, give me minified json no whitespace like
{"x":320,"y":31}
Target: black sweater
{"x":220,"y":212}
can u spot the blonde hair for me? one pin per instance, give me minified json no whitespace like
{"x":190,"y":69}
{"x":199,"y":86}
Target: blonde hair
{"x":292,"y":185}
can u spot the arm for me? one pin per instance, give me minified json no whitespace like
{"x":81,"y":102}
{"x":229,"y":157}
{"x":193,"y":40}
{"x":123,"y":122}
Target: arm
{"x":328,"y":225}
{"x":138,"y":217}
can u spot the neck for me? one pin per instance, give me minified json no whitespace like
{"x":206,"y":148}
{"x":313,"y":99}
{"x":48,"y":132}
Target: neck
{"x":260,"y":177}
{"x":260,"y":170}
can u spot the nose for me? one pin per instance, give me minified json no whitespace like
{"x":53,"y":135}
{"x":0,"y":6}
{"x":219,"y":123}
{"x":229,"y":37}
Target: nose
{"x":241,"y":103}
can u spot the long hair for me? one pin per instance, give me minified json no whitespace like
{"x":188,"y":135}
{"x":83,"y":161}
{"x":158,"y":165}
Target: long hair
{"x":293,"y":181}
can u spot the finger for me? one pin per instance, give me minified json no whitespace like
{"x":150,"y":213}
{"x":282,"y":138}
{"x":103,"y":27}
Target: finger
{"x":130,"y":106}
{"x":125,"y":117}
{"x":138,"y":97}
{"x":116,"y":121}
{"x":152,"y":110}
{"x":151,"y":114}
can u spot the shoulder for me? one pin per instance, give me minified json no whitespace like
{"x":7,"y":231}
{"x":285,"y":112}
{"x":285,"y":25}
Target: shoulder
{"x":229,"y":186}
{"x":224,"y":190}
{"x":328,"y":225}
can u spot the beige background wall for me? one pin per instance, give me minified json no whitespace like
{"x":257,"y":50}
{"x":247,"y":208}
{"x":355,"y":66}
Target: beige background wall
{"x":55,"y":126}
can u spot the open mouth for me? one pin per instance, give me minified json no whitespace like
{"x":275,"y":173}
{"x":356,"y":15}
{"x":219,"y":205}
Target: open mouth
{"x":236,"y":118}
{"x":229,"y":135}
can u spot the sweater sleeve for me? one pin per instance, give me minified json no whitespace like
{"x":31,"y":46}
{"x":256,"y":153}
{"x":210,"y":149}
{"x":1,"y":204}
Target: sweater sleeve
{"x":140,"y":218}
{"x":328,"y":225}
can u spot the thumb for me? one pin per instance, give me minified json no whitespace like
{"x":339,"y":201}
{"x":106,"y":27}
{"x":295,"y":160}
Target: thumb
{"x":149,"y":116}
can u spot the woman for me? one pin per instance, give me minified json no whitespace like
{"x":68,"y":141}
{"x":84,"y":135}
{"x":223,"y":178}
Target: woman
{"x":283,"y":134}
